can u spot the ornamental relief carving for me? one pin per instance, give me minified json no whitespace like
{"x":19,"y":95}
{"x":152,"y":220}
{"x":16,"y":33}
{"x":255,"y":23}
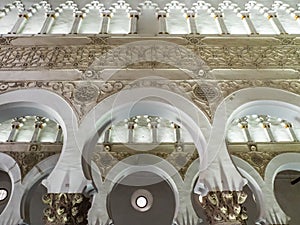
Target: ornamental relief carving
{"x":105,"y":161}
{"x":27,"y":160}
{"x":284,"y":54}
{"x":84,"y":95}
{"x":259,"y":160}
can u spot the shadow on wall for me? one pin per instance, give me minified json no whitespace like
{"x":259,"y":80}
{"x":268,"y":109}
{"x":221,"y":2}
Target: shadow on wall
{"x":34,"y":205}
{"x":5,"y":190}
{"x":288,"y":195}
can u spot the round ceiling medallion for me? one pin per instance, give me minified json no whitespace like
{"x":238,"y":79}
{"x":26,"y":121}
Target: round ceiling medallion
{"x":141,"y":200}
{"x":3,"y":194}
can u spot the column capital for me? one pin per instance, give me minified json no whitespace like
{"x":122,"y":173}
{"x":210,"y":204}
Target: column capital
{"x":106,"y":13}
{"x":190,"y":14}
{"x":134,"y":13}
{"x":66,"y":208}
{"x":225,"y":207}
{"x":52,"y":14}
{"x":218,"y":14}
{"x":161,"y":13}
{"x":270,"y":14}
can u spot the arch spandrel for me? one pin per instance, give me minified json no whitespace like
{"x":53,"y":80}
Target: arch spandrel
{"x":284,"y":105}
{"x":51,"y":105}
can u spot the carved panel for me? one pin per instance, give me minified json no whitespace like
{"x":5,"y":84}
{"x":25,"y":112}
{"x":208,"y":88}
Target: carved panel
{"x":259,"y":160}
{"x":84,"y":95}
{"x":284,"y":54}
{"x":107,"y":160}
{"x":28,"y":159}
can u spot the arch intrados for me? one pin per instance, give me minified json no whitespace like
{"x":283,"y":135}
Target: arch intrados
{"x":41,"y":103}
{"x":10,"y":166}
{"x":260,"y":100}
{"x":38,"y":172}
{"x":282,"y":162}
{"x":145,"y":163}
{"x":277,"y":109}
{"x":136,"y":102}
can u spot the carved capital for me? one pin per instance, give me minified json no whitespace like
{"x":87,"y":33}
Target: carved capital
{"x":65,"y":208}
{"x":225,"y":207}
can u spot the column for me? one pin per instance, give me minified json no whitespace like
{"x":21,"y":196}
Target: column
{"x":59,"y":135}
{"x":130,"y":131}
{"x":107,"y":136}
{"x":244,"y":125}
{"x":289,"y":126}
{"x":297,"y":16}
{"x":225,"y":207}
{"x":153,"y":125}
{"x":77,"y":22}
{"x":19,"y":24}
{"x":178,"y":145}
{"x":40,"y":122}
{"x":162,"y":23}
{"x":105,"y":22}
{"x":191,"y":22}
{"x":248,"y":23}
{"x":16,"y":124}
{"x":134,"y":16}
{"x":266,"y":125}
{"x":272,"y":17}
{"x":220,"y":23}
{"x":51,"y":15}
{"x":66,"y":208}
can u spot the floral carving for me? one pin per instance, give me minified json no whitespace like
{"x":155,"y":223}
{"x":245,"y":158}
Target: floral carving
{"x":83,"y":95}
{"x":28,"y":159}
{"x":283,"y":55}
{"x":259,"y":160}
{"x":86,"y":93}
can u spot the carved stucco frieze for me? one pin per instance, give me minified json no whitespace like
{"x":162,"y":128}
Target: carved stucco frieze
{"x":105,"y":161}
{"x":228,"y":87}
{"x":259,"y":160}
{"x":28,"y":159}
{"x":285,"y":54}
{"x":84,"y":95}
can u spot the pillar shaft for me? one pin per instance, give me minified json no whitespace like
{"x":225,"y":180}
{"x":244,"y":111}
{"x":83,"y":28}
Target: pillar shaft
{"x":162,"y":23}
{"x":51,"y":15}
{"x":220,"y":23}
{"x":272,"y":17}
{"x":105,"y":22}
{"x":134,"y":16}
{"x":192,"y":22}
{"x":77,"y":22}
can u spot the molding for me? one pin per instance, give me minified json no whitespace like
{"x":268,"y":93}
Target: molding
{"x":280,"y":52}
{"x":84,"y":95}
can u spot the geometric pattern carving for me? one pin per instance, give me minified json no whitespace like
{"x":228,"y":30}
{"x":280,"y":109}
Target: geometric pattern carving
{"x":259,"y":160}
{"x":28,"y":159}
{"x":180,"y":160}
{"x":284,"y":54}
{"x":84,"y":95}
